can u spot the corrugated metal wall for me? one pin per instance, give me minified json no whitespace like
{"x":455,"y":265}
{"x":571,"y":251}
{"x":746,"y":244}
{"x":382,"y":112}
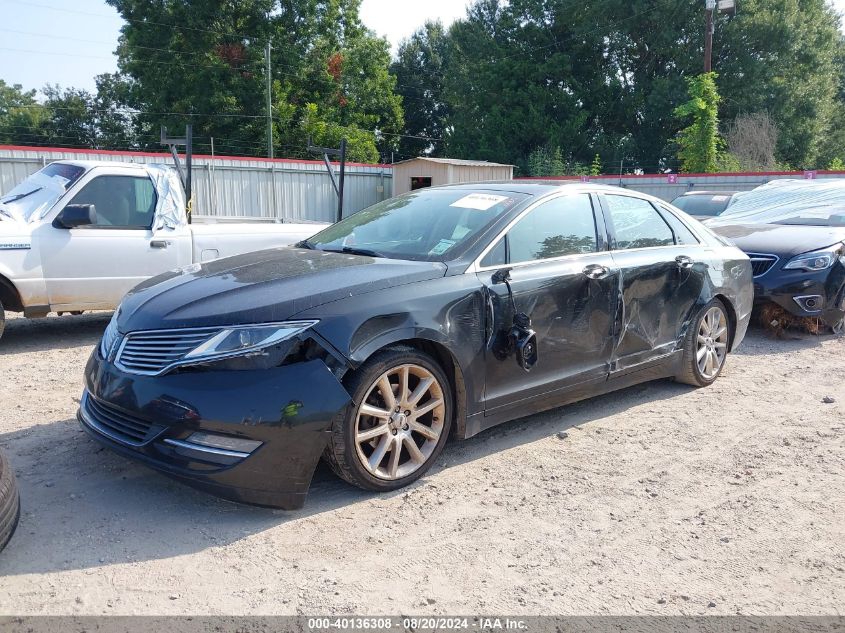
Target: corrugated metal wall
{"x":281,"y":188}
{"x":662,"y":186}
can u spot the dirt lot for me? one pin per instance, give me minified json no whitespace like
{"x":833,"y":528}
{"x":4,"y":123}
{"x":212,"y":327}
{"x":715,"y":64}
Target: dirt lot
{"x":659,"y":499}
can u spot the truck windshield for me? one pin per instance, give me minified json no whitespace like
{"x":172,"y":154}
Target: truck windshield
{"x":32,"y":198}
{"x":427,"y":224}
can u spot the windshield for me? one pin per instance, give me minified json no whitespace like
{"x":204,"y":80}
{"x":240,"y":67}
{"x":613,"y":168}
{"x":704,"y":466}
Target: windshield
{"x":427,"y":224}
{"x":790,"y":202}
{"x":32,"y":198}
{"x":703,"y":204}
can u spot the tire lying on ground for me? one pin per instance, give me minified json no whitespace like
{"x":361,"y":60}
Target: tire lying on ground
{"x":10,"y":504}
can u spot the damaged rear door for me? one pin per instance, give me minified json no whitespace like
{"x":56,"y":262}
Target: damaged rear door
{"x":662,"y":276}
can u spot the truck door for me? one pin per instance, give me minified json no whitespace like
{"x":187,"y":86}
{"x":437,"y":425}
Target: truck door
{"x":93,"y":266}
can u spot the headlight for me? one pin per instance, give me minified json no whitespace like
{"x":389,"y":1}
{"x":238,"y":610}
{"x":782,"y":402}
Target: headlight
{"x":110,"y":336}
{"x":245,"y":340}
{"x":817,"y":260}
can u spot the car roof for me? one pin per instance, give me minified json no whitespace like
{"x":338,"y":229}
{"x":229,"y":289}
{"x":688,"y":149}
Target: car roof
{"x":707,"y":193}
{"x":541,"y":187}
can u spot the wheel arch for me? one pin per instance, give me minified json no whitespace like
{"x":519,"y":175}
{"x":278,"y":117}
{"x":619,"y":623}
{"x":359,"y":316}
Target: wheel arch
{"x":9,"y":295}
{"x":732,"y":318}
{"x":440,"y":353}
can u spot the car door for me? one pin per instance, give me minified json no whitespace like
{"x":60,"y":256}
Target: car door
{"x":93,"y":266}
{"x":662,"y":273}
{"x":563,"y":277}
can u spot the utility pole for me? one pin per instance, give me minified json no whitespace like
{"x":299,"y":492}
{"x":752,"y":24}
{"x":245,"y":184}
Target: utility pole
{"x":709,"y":8}
{"x":269,"y":102}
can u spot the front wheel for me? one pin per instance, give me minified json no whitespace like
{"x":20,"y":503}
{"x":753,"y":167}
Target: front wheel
{"x":2,"y":319}
{"x":397,"y":424}
{"x":706,"y":346}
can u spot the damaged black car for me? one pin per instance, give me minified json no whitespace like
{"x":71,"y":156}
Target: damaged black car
{"x":435,"y":314}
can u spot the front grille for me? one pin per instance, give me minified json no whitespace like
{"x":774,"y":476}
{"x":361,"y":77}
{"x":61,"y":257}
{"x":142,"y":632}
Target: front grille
{"x":761,"y":264}
{"x":152,"y":352}
{"x":116,"y":424}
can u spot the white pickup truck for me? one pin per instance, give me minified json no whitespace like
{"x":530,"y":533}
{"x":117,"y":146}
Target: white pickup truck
{"x":78,"y":235}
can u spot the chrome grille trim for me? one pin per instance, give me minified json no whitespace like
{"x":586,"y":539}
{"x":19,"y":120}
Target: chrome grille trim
{"x":761,"y":263}
{"x":153,"y":352}
{"x":115,"y":424}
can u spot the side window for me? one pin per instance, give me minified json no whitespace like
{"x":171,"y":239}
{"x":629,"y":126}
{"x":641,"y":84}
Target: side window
{"x":120,"y":201}
{"x":498,"y":255}
{"x":637,"y":224}
{"x":682,"y":234}
{"x":563,"y":226}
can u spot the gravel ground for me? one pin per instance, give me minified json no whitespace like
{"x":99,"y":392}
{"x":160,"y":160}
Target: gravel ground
{"x":660,"y":499}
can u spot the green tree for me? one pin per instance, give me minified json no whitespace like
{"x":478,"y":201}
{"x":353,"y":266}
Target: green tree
{"x":589,"y":76}
{"x":72,"y":121}
{"x":202,"y":61}
{"x":419,"y":69}
{"x":21,"y":116}
{"x":546,"y":161}
{"x":700,"y":143}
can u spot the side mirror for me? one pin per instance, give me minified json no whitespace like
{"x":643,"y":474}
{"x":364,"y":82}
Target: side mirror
{"x":74,"y":215}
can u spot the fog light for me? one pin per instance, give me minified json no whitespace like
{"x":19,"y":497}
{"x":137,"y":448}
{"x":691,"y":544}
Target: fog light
{"x":810,"y":303}
{"x":223,"y":442}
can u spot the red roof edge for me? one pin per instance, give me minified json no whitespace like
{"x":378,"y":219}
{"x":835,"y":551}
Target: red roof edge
{"x":111,"y":152}
{"x":797,"y":174}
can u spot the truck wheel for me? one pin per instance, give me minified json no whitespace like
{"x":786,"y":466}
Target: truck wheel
{"x":2,"y":319}
{"x":10,"y":503}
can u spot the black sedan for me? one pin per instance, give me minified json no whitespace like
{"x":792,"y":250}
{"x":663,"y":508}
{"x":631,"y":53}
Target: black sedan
{"x":798,"y":259}
{"x":438,"y":313}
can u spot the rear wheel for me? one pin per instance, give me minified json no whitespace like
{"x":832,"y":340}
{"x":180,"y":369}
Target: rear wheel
{"x":398,"y":423}
{"x":2,"y":319}
{"x":706,"y":346}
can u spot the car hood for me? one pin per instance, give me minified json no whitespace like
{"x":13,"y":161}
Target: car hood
{"x":261,"y":287}
{"x":778,"y":239}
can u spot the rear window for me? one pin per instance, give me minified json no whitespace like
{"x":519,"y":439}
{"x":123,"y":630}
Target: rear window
{"x":711,"y":205}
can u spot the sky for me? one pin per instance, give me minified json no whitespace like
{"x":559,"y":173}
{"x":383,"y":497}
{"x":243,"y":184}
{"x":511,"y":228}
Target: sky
{"x":68,"y":43}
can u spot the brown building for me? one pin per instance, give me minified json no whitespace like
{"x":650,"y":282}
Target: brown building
{"x":417,"y":173}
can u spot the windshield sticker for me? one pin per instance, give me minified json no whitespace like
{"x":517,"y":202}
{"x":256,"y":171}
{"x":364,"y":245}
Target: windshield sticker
{"x":442,"y":247}
{"x":478,"y":201}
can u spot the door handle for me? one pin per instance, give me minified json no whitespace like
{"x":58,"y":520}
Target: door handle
{"x":159,"y":244}
{"x":596,"y":271}
{"x":684,"y":262}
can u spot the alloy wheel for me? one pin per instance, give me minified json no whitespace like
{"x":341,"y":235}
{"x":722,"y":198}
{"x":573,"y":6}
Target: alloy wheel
{"x":399,"y":422}
{"x":712,"y":347}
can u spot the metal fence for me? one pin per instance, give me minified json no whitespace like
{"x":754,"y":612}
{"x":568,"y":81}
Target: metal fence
{"x":669,"y":187}
{"x":234,"y":187}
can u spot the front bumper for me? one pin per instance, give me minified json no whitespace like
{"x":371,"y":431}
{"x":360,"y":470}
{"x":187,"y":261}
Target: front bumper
{"x":288,"y":409}
{"x":792,"y":290}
